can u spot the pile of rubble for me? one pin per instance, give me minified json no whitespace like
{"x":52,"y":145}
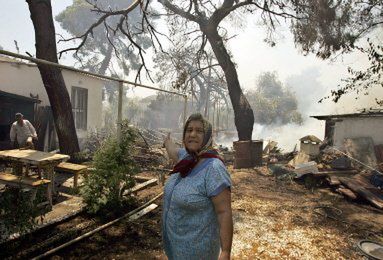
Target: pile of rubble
{"x":346,"y":172}
{"x":226,"y":154}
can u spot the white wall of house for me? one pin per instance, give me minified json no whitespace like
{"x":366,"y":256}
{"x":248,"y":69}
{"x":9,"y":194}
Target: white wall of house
{"x":358,"y":127}
{"x":24,"y":79}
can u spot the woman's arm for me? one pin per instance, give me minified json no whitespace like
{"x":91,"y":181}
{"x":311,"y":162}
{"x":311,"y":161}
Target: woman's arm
{"x":222,"y":206}
{"x":171,"y":148}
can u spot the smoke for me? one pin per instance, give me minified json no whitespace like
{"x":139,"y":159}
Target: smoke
{"x":308,"y":90}
{"x":288,"y":135}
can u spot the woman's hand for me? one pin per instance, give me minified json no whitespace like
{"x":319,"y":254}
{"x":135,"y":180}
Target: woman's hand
{"x":167,"y":140}
{"x":171,"y":148}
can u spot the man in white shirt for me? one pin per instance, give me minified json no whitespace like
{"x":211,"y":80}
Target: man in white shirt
{"x":22,"y":131}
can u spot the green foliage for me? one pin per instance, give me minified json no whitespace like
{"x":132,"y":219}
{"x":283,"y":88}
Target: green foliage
{"x":272,"y":103}
{"x":332,"y":26}
{"x":114,"y":170}
{"x":106,"y":44}
{"x":79,"y":157}
{"x":18,"y":213}
{"x":337,"y":26}
{"x":361,"y":81}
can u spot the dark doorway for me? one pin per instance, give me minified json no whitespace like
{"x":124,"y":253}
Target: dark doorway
{"x":9,"y":105}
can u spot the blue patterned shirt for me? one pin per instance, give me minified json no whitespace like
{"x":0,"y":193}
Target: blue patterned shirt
{"x":190,"y":225}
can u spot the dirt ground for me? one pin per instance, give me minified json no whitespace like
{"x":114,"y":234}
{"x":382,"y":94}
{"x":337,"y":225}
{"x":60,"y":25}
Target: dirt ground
{"x":272,"y":220}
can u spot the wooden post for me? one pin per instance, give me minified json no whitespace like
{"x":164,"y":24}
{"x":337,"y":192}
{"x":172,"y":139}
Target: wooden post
{"x":213,"y":120}
{"x":217,"y":118}
{"x":119,"y":110}
{"x":185,"y":107}
{"x":192,"y":89}
{"x":208,"y":91}
{"x":185,"y":111}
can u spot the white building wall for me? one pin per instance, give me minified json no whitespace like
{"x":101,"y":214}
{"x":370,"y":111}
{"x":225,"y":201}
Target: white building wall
{"x":94,"y":86}
{"x":358,"y":127}
{"x":24,"y":79}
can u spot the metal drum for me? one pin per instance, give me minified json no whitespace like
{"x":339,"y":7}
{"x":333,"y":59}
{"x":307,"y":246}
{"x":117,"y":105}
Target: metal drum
{"x":247,"y":154}
{"x":242,"y":154}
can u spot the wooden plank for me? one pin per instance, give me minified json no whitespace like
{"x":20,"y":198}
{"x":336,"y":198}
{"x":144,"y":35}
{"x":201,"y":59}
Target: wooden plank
{"x":351,"y":172}
{"x":32,"y":156}
{"x":144,"y":185}
{"x":70,"y":167}
{"x":347,"y":193}
{"x":141,"y":186}
{"x":364,"y":179}
{"x":142,"y":178}
{"x":358,"y":187}
{"x":333,"y":181}
{"x":143,"y":212}
{"x":14,"y":179}
{"x":88,"y":234}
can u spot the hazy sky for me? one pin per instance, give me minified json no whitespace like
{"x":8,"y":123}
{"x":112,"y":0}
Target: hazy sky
{"x":308,"y":76}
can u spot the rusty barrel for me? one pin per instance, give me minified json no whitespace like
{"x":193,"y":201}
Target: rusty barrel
{"x":247,"y":154}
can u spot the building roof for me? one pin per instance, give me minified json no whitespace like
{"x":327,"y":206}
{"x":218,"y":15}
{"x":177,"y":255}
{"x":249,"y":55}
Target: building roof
{"x":11,"y":95}
{"x":311,"y":138}
{"x":363,"y":113}
{"x":6,"y":59}
{"x":11,"y":60}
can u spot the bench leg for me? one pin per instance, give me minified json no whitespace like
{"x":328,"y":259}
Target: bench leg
{"x":17,"y":168}
{"x":33,"y":195}
{"x":49,"y":169}
{"x":26,"y":173}
{"x":75,"y":180}
{"x":49,"y":195}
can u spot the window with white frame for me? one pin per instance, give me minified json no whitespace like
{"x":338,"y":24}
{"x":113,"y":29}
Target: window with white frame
{"x":79,"y":99}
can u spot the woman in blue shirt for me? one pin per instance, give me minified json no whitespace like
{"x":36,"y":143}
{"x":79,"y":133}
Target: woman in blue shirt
{"x":197,"y":217}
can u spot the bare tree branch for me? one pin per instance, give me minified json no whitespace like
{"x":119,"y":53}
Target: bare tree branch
{"x":179,"y":11}
{"x":101,"y":20}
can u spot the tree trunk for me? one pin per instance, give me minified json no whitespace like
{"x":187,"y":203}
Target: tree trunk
{"x":243,"y":114}
{"x":208,"y":90}
{"x":41,"y":15}
{"x":202,"y":94}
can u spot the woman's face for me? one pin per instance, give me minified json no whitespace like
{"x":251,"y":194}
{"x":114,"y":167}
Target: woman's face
{"x":194,"y":135}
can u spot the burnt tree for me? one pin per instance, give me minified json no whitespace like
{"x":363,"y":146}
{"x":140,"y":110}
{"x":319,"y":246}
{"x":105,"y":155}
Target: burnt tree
{"x":41,"y":15}
{"x":243,"y":113}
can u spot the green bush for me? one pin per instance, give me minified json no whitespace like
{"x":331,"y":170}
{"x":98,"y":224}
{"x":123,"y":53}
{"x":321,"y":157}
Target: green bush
{"x":114,"y":170}
{"x":18,"y":214}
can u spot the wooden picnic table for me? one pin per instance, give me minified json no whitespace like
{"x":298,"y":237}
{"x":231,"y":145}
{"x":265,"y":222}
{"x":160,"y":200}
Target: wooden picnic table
{"x":43,"y":160}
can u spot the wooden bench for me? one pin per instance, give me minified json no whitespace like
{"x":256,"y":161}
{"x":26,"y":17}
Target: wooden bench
{"x":27,"y":182}
{"x":72,"y":168}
